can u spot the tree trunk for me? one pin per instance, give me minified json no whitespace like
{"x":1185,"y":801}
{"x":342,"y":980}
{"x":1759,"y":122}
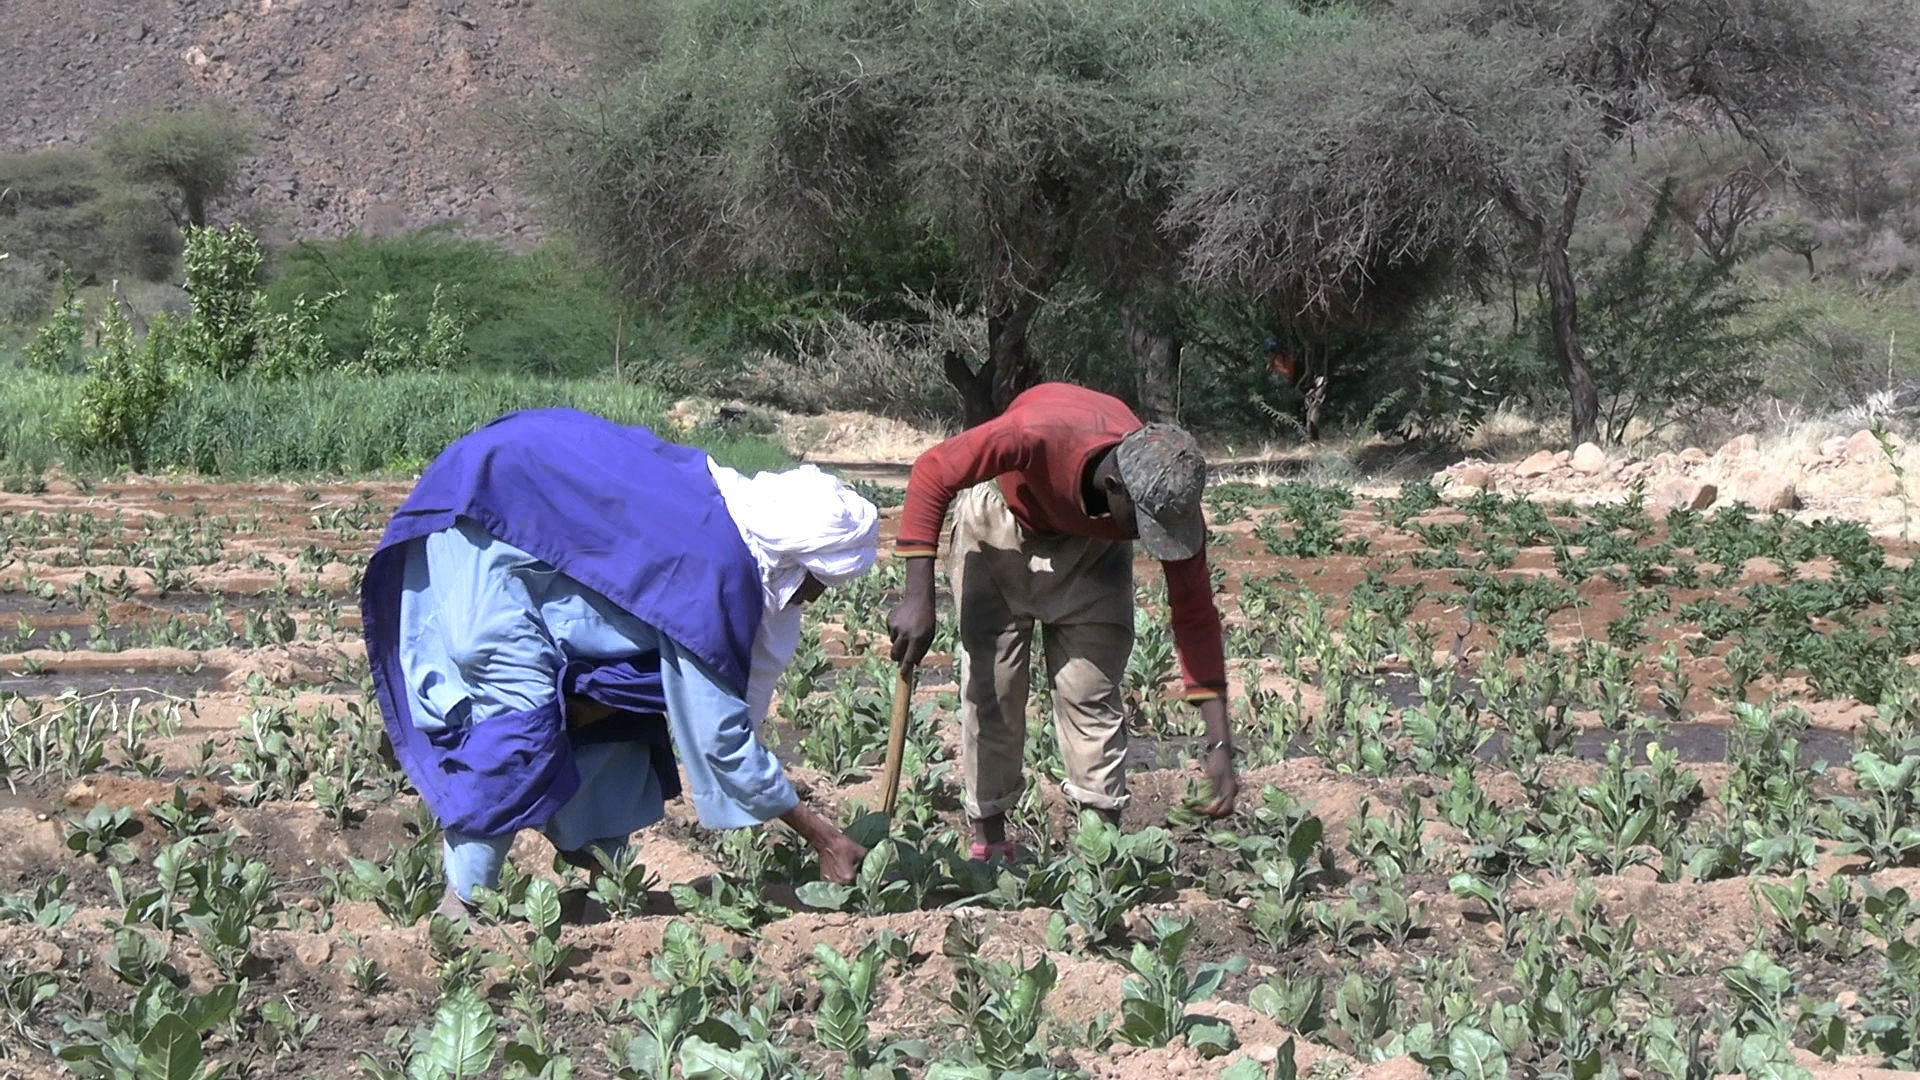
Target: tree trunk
{"x":985,"y":394}
{"x":196,"y":207}
{"x":1564,"y":301}
{"x":1154,"y":350}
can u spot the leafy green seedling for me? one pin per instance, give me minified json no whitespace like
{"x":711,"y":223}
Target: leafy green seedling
{"x":1154,"y":999}
{"x":104,"y":832}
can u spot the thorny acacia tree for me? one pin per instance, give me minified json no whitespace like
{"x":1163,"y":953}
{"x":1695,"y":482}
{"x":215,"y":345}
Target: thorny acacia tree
{"x":1439,"y":105}
{"x":1028,"y":136}
{"x":197,"y":152}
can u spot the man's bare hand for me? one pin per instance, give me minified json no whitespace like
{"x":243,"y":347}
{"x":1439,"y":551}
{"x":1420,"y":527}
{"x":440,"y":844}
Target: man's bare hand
{"x":1219,"y":761}
{"x":840,"y":857}
{"x":910,"y":623}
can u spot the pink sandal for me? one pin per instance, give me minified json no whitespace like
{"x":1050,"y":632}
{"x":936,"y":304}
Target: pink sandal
{"x":985,"y":852}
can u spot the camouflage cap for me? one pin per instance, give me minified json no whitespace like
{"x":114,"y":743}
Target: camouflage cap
{"x":1165,"y":474}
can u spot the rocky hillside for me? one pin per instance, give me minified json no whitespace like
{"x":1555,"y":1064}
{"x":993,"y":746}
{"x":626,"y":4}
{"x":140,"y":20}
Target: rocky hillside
{"x":372,"y":115}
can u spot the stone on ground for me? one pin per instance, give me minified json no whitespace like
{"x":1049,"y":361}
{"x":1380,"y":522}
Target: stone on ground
{"x":1589,"y":459}
{"x":1740,"y":446}
{"x":1685,"y":493}
{"x":1767,"y":492}
{"x":1862,"y":446}
{"x":1539,"y":464}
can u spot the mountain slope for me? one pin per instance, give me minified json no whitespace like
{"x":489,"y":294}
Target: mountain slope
{"x":372,"y":115}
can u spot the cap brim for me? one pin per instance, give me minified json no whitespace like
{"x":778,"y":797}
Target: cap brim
{"x":1173,"y":539}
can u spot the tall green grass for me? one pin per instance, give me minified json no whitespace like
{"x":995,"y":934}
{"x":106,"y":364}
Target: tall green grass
{"x":332,"y":425}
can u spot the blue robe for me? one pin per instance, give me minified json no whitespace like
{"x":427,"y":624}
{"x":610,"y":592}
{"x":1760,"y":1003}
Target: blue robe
{"x":634,"y":519}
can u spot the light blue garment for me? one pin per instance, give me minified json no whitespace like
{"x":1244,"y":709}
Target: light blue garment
{"x":484,"y":631}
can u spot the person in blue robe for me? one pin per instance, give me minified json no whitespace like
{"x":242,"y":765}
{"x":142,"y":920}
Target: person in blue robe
{"x":566,"y":614}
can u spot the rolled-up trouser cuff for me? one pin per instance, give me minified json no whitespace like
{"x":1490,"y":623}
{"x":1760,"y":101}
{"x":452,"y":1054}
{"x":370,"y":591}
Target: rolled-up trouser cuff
{"x":978,"y":809}
{"x":1094,"y":799}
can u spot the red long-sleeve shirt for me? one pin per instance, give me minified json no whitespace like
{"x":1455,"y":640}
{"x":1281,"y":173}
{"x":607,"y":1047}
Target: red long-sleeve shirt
{"x":1039,"y":449}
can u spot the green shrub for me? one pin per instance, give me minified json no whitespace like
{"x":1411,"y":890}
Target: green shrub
{"x":127,"y":389}
{"x":1668,"y":334}
{"x":64,"y":208}
{"x":56,"y":345}
{"x":222,"y":273}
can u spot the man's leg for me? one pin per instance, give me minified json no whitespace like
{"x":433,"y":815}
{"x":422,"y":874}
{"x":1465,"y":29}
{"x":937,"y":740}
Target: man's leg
{"x":1085,"y":606}
{"x":995,"y":649}
{"x":470,"y":861}
{"x":1086,"y":663}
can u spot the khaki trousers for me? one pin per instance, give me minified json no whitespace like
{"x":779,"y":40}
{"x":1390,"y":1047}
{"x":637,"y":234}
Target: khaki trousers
{"x":1080,"y":590}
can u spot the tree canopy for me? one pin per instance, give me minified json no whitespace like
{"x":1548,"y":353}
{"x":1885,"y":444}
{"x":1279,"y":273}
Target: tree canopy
{"x":1443,"y":119}
{"x":1027,"y":136}
{"x":1326,"y":164}
{"x":195,"y":152}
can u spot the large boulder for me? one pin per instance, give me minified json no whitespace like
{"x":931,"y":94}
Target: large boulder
{"x":1539,"y":464}
{"x":1768,"y":491}
{"x":1685,"y":493}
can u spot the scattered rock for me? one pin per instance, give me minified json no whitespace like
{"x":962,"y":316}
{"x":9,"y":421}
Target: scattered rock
{"x":314,"y":951}
{"x":619,"y":977}
{"x":1589,"y":459}
{"x":1767,"y":492}
{"x":1739,"y":446}
{"x":1539,"y":464}
{"x":1475,"y":476}
{"x":1693,"y":455}
{"x":1562,"y":457}
{"x":1683,"y":492}
{"x":1862,"y":446}
{"x":46,"y":956}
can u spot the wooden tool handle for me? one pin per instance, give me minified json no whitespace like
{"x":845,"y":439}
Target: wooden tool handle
{"x":897,"y":735}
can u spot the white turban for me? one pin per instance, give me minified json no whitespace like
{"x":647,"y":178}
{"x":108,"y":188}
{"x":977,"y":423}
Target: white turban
{"x":799,"y":522}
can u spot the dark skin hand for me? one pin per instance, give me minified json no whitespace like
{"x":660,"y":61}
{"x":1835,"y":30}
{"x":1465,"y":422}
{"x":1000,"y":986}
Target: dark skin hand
{"x":910,"y":624}
{"x":839,"y":857}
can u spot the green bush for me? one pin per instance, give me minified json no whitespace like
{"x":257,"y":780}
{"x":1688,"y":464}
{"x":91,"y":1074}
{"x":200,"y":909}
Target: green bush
{"x":1669,"y":334}
{"x":64,"y":208}
{"x":127,"y":389}
{"x":535,"y":313}
{"x":56,"y":345}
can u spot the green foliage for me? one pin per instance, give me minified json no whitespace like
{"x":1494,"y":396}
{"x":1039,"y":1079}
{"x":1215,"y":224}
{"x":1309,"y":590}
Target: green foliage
{"x":63,"y":208}
{"x":195,"y":153}
{"x":1154,"y":999}
{"x":327,"y":425}
{"x":56,"y":345}
{"x":128,"y":388}
{"x":535,"y":313}
{"x":1105,"y":873}
{"x":460,"y":1044}
{"x":159,"y":1036}
{"x":1670,"y":334}
{"x":222,"y":277}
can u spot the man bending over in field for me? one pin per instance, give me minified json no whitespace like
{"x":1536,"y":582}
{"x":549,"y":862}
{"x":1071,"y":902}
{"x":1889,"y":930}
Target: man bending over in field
{"x":561,"y":601}
{"x":1046,"y":498}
